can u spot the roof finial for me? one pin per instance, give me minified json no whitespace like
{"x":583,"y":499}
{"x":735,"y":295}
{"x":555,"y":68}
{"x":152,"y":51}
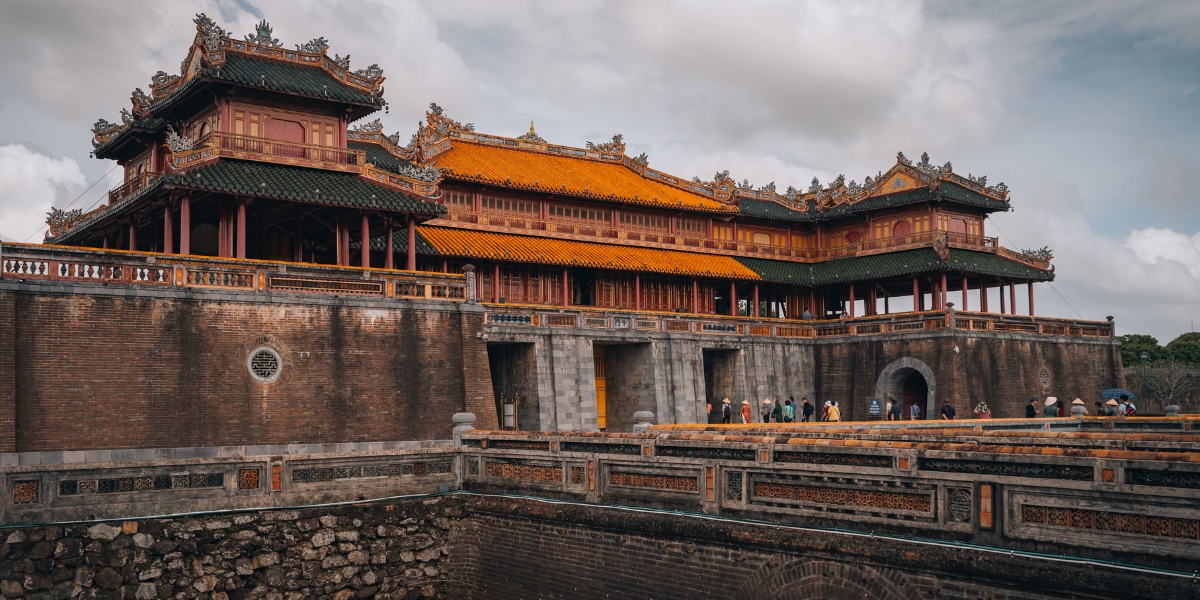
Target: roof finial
{"x":532,"y":136}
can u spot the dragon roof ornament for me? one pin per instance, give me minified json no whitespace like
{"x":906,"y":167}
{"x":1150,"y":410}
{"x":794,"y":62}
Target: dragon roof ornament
{"x":616,"y":146}
{"x":315,"y":46}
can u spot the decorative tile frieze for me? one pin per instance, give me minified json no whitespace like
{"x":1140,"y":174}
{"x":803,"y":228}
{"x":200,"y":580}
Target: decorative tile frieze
{"x":520,"y":471}
{"x":25,"y":492}
{"x":822,"y":458}
{"x":720,"y":453}
{"x":601,"y":448}
{"x":1009,"y":469}
{"x":248,"y":479}
{"x":654,"y":481}
{"x":733,"y":485}
{"x":319,"y":474}
{"x":503,"y":444}
{"x":1177,"y":479}
{"x":73,"y":487}
{"x":843,"y":497}
{"x":578,"y":475}
{"x":1078,"y":518}
{"x":959,"y":504}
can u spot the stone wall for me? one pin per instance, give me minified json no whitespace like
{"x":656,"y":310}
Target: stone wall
{"x":93,"y":367}
{"x":1003,"y":369}
{"x":383,"y":551}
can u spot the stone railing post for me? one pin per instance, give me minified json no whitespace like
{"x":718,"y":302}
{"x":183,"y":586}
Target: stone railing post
{"x":642,"y":420}
{"x":1172,"y":410}
{"x":469,"y":273}
{"x":463,"y":422}
{"x":949,"y":315}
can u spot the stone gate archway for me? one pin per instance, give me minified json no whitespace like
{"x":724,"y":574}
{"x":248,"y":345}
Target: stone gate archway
{"x":810,"y":579}
{"x":891,"y":381}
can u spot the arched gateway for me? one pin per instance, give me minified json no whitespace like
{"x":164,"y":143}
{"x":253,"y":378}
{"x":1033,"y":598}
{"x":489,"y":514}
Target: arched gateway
{"x":909,"y":381}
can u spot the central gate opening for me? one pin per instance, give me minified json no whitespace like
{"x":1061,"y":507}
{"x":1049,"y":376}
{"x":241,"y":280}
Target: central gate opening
{"x":719,"y":368}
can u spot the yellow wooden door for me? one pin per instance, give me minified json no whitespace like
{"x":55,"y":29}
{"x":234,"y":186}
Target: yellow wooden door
{"x":601,"y":388}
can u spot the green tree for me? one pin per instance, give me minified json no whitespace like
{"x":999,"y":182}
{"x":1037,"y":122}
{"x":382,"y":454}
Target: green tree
{"x":1134,"y":344}
{"x":1186,"y":349}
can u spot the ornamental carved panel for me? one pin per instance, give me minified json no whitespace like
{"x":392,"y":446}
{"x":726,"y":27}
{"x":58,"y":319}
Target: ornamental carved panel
{"x":600,"y":448}
{"x":821,"y":458}
{"x":920,"y":502}
{"x":709,"y":453}
{"x":516,"y":471}
{"x":652,"y":481}
{"x":1041,"y":471}
{"x":1098,"y":520}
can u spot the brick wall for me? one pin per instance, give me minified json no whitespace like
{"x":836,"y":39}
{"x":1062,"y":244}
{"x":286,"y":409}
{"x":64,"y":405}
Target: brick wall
{"x":8,"y":373}
{"x":105,"y":370}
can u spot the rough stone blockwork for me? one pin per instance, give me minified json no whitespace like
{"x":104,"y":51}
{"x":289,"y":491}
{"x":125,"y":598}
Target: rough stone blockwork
{"x":382,"y":551}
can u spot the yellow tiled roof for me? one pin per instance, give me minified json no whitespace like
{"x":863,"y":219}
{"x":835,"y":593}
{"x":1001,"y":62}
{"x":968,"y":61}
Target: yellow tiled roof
{"x":528,"y":249}
{"x":538,"y":171}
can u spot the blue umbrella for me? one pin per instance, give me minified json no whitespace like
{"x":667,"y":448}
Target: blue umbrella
{"x":1116,"y":393}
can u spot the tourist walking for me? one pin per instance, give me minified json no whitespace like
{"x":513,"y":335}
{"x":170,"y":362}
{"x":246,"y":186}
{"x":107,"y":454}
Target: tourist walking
{"x":1031,"y":411}
{"x":914,"y":412}
{"x":807,"y":410}
{"x":766,"y":410}
{"x":1050,"y":411}
{"x":835,"y":413}
{"x":825,"y":410}
{"x":894,"y":413}
{"x":726,"y":411}
{"x":1110,"y":409}
{"x":708,"y":412}
{"x":777,"y":412}
{"x":1078,"y":408}
{"x":746,"y":412}
{"x":947,"y":411}
{"x":789,"y":411}
{"x":982,"y":411}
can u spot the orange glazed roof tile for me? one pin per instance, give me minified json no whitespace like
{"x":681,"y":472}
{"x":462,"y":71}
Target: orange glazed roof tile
{"x":590,"y":178}
{"x":520,"y":248}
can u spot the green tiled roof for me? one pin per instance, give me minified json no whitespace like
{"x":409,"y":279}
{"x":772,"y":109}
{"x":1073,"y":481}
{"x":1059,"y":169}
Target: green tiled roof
{"x":151,"y":125}
{"x":379,"y":157}
{"x":771,"y":210}
{"x":954,"y":191}
{"x":313,"y":81}
{"x":891,"y":264}
{"x":948,"y":191}
{"x":279,"y":182}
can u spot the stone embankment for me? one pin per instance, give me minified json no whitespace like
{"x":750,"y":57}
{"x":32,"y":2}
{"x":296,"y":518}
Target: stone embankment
{"x":383,"y":551}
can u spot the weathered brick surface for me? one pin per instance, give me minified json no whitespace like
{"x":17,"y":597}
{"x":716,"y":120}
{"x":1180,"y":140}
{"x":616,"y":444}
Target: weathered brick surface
{"x":8,"y":373}
{"x":107,"y":371}
{"x":1001,"y":369}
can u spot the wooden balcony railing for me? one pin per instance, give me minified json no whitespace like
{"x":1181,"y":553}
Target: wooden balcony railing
{"x":551,"y":228}
{"x":307,"y":152}
{"x":130,"y":187}
{"x":580,"y":317}
{"x":35,"y":262}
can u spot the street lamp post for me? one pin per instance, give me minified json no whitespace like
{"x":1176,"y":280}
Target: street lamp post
{"x":1145,"y":356}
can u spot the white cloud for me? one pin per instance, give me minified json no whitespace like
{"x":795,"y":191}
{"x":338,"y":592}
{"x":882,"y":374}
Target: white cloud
{"x":30,"y":183}
{"x":1152,"y":244}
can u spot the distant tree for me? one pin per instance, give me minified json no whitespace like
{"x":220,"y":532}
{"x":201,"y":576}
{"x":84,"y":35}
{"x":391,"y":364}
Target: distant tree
{"x":1170,"y":382}
{"x":1186,"y":349}
{"x":1134,"y":344}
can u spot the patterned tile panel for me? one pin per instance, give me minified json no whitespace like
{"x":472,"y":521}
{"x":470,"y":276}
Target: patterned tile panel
{"x":73,"y":487}
{"x":654,"y":481}
{"x":1078,"y":518}
{"x":1041,"y":471}
{"x":851,"y":497}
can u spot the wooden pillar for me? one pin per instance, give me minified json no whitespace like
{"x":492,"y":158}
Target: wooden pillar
{"x":983,"y":294}
{"x":343,"y":256}
{"x":916,"y":295}
{"x":852,"y":301}
{"x":496,"y":283}
{"x":942,"y":292}
{"x":223,"y":230}
{"x":241,"y":229}
{"x":389,"y":261}
{"x":1012,"y":298}
{"x":637,"y":292}
{"x":132,"y":236}
{"x":812,"y":303}
{"x":886,"y":308}
{"x":566,"y":298}
{"x":1030,"y":286}
{"x":185,"y":226}
{"x":411,"y":259}
{"x":298,"y":238}
{"x":964,"y":298}
{"x":365,"y":251}
{"x":168,"y":234}
{"x":1002,"y":298}
{"x":871,"y":299}
{"x":755,"y":313}
{"x":445,"y":265}
{"x":696,"y":296}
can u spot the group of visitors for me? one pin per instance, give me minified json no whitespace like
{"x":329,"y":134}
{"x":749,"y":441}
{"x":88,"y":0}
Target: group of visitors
{"x":1051,"y":408}
{"x":774,"y":412}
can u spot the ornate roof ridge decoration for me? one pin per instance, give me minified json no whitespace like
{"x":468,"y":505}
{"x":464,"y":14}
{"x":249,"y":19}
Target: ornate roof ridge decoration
{"x":616,"y":146}
{"x":532,"y":136}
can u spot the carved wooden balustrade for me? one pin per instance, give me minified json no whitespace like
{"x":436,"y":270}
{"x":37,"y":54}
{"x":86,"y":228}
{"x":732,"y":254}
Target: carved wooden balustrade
{"x":634,"y":237}
{"x":89,"y":265}
{"x":579,"y":317}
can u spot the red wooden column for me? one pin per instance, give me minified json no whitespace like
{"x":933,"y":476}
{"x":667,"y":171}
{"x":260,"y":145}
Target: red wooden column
{"x":496,"y":283}
{"x":365,"y":251}
{"x":445,"y":265}
{"x":132,"y":237}
{"x":983,"y":294}
{"x":755,"y":301}
{"x":942,"y":291}
{"x":1012,"y":298}
{"x":916,"y":295}
{"x":964,"y":299}
{"x":696,"y":296}
{"x":733,"y":308}
{"x":1030,"y":286}
{"x":241,"y":229}
{"x":851,"y":301}
{"x":566,"y":299}
{"x":224,"y":245}
{"x":168,"y":233}
{"x":411,"y":260}
{"x":1002,"y":298}
{"x":389,"y":261}
{"x":185,"y":226}
{"x":637,"y":292}
{"x":297,"y":239}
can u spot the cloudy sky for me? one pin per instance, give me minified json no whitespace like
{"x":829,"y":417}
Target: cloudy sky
{"x":1089,"y":111}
